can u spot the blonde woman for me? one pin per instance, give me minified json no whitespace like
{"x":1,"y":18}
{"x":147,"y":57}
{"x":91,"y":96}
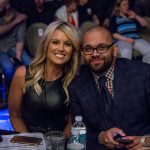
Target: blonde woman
{"x":38,"y":98}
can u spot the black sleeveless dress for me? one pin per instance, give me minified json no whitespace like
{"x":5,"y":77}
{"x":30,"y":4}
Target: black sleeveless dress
{"x":47,"y":111}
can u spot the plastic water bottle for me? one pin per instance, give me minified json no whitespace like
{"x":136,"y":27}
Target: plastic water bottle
{"x":80,"y":126}
{"x":74,"y":142}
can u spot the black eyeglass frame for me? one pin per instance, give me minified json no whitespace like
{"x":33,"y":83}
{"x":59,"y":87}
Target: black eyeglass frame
{"x":98,"y":51}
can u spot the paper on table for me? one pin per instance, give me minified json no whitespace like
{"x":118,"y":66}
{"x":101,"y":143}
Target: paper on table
{"x":7,"y":145}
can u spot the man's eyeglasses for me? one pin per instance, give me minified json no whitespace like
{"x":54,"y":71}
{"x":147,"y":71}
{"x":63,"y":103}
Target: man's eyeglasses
{"x":102,"y":48}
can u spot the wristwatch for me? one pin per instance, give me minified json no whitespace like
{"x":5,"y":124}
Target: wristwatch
{"x":145,"y":141}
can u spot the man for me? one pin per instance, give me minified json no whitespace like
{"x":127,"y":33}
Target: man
{"x":86,"y":13}
{"x":118,"y":105}
{"x":40,"y":11}
{"x":12,"y":34}
{"x":103,"y":8}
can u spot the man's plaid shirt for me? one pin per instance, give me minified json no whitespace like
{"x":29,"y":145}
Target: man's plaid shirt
{"x":109,"y":80}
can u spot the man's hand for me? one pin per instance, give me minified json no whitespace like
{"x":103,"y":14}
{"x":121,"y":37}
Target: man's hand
{"x":107,"y":138}
{"x":136,"y":145}
{"x":19,"y":18}
{"x":16,"y":61}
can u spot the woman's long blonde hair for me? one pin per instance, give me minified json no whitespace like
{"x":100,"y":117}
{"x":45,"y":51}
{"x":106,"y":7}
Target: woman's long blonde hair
{"x":36,"y":69}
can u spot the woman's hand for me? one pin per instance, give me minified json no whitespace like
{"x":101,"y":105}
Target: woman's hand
{"x":129,"y":40}
{"x":67,"y":131}
{"x":131,"y":14}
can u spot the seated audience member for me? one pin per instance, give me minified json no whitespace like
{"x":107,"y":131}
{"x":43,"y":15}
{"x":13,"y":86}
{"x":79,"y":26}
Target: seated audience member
{"x":124,"y":25}
{"x":112,"y":95}
{"x":38,"y":98}
{"x":20,"y":5}
{"x":103,"y":9}
{"x":141,"y":7}
{"x":86,"y":13}
{"x":68,"y":12}
{"x":12,"y":33}
{"x":40,"y":11}
{"x":57,"y":3}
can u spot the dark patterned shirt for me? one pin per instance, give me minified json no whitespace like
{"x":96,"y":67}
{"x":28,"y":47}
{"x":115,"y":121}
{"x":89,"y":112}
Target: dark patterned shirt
{"x":109,"y":80}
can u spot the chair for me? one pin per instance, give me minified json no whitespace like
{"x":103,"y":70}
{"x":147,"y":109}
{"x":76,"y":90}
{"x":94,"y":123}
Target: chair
{"x":145,"y":32}
{"x":33,"y":36}
{"x":85,"y":25}
{"x":2,"y":88}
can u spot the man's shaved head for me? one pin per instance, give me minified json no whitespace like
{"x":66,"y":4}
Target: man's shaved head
{"x":99,"y":29}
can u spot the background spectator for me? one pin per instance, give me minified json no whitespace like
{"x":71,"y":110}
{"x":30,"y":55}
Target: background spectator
{"x":103,"y":8}
{"x":86,"y":13}
{"x":12,"y":34}
{"x":125,"y":27}
{"x":68,"y":13}
{"x":40,"y":11}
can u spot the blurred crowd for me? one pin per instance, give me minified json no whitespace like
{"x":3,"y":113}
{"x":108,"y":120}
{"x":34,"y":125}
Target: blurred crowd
{"x":16,"y":16}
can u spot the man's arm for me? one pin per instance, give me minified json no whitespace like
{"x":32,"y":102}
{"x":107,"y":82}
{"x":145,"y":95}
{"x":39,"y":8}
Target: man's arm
{"x":19,"y":49}
{"x":7,"y":27}
{"x":147,"y":82}
{"x":20,"y":40}
{"x":143,"y":142}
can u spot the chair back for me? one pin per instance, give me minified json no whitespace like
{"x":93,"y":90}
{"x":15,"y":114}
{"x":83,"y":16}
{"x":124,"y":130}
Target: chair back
{"x":145,"y":32}
{"x":85,"y":25}
{"x":33,"y":36}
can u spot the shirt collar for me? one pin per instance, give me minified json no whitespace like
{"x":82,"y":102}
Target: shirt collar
{"x":109,"y":74}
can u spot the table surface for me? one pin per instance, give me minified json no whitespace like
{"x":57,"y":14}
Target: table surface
{"x":6,"y":143}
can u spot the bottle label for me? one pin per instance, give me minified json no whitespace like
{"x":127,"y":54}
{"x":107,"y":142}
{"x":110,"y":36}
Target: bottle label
{"x":82,"y":136}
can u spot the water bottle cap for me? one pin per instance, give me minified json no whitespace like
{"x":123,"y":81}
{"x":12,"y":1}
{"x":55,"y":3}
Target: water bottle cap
{"x":78,"y":118}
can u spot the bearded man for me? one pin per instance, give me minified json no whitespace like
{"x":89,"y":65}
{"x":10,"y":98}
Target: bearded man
{"x":112,"y":95}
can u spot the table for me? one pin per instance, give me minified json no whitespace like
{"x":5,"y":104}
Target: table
{"x":7,"y":145}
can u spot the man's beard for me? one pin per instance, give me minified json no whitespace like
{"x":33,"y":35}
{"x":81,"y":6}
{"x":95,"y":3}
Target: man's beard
{"x":3,"y":12}
{"x":104,"y":67}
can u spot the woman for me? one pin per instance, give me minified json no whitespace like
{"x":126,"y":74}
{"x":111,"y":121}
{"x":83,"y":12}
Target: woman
{"x":124,"y":25}
{"x":68,"y":12}
{"x":38,"y":98}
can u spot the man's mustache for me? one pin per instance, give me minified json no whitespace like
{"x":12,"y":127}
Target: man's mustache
{"x":94,"y":58}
